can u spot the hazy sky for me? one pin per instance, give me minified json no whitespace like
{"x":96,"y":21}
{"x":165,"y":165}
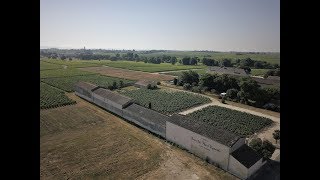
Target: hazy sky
{"x":220,"y":25}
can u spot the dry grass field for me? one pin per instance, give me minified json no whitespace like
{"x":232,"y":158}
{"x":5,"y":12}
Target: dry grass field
{"x":83,"y":141}
{"x":127,"y":74}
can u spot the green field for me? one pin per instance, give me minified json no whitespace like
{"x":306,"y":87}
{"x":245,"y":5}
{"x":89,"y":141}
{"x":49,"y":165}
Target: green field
{"x":51,"y":97}
{"x":258,"y":72}
{"x":63,"y":73}
{"x":47,"y":66}
{"x":148,"y":67}
{"x":240,"y":123}
{"x":67,"y":83}
{"x":73,"y":63}
{"x":165,"y":101}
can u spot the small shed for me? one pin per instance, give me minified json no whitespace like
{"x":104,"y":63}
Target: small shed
{"x":144,"y":84}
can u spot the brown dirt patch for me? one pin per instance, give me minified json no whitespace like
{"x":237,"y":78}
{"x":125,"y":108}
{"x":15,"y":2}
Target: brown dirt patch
{"x":128,"y":74}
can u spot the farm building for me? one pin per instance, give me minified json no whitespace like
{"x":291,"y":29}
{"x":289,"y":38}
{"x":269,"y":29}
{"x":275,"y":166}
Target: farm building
{"x":84,"y":90}
{"x":228,"y":70}
{"x":144,"y":84}
{"x":217,"y":146}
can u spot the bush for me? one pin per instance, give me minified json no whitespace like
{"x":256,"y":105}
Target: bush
{"x":194,"y":84}
{"x":175,"y":81}
{"x":187,"y":86}
{"x":213,"y":91}
{"x":196,"y":89}
{"x":158,"y":83}
{"x":223,"y":100}
{"x":232,"y":93}
{"x":180,"y":83}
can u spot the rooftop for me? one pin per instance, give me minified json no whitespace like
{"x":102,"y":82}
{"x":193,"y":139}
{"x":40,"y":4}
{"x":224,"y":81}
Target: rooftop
{"x":85,"y":85}
{"x":220,"y":135}
{"x":112,"y":96}
{"x":149,"y":114}
{"x":246,"y":156}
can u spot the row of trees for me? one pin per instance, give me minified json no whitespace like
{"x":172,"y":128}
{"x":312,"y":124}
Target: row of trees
{"x":244,"y":90}
{"x":240,"y":63}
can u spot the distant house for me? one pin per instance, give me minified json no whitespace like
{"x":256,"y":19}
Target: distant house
{"x":144,"y":84}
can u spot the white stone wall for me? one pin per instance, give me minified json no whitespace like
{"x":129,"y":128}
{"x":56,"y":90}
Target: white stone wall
{"x":237,"y":169}
{"x":199,"y":145}
{"x":84,"y":97}
{"x":238,"y":144}
{"x":255,"y":167}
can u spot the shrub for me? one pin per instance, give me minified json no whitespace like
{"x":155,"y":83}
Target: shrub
{"x":175,"y":81}
{"x":158,"y":83}
{"x":180,"y":83}
{"x":232,"y":93}
{"x":213,"y":91}
{"x":187,"y":86}
{"x":194,"y":84}
{"x":196,"y":89}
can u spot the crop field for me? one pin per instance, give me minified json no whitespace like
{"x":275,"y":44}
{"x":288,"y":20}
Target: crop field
{"x":73,"y":63}
{"x":63,"y":73}
{"x":67,"y":83}
{"x":165,"y":101}
{"x":47,"y":66}
{"x":78,"y":142}
{"x":51,"y":97}
{"x":128,"y":74}
{"x":258,"y":72}
{"x":178,"y":73}
{"x":148,"y":67}
{"x":240,"y":123}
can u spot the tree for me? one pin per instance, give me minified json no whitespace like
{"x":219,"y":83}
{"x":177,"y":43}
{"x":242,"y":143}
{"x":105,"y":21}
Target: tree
{"x":250,"y":88}
{"x":208,"y":62}
{"x":264,"y":148}
{"x":276,"y":135}
{"x":114,"y":85}
{"x":193,"y":61}
{"x":189,"y":77}
{"x":187,"y":86}
{"x":267,"y":149}
{"x":175,"y":81}
{"x":121,"y":84}
{"x":186,"y":61}
{"x":232,"y":93}
{"x":226,"y":63}
{"x":173,"y":60}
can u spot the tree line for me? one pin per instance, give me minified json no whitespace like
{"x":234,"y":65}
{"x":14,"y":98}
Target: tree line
{"x":244,"y":89}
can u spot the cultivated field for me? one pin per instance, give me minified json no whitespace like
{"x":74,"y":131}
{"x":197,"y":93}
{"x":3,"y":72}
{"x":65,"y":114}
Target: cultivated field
{"x":63,"y":73}
{"x":148,"y":67}
{"x":47,"y":66}
{"x":67,"y":83}
{"x":83,"y":141}
{"x":127,"y":74}
{"x":51,"y":97}
{"x":73,"y":63}
{"x":164,"y":101}
{"x":240,"y":123}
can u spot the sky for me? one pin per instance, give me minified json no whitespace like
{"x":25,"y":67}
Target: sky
{"x":217,"y":25}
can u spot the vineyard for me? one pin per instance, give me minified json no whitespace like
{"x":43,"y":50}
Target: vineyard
{"x":73,"y":63}
{"x":67,"y":83}
{"x":47,"y":66}
{"x":164,"y":101}
{"x":240,"y":123}
{"x":51,"y":97}
{"x":63,"y":73}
